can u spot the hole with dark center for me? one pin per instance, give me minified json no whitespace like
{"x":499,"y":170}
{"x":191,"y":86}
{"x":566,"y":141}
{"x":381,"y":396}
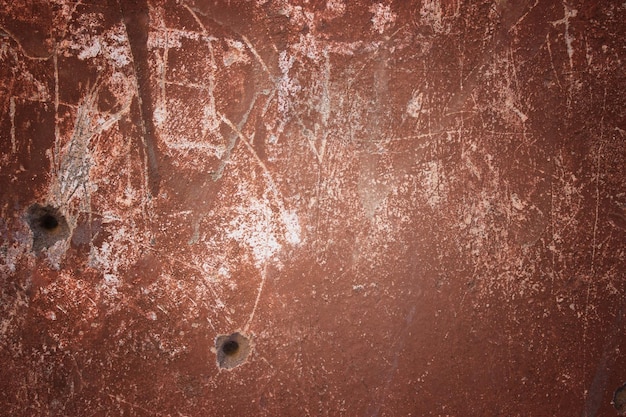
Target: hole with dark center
{"x":230,"y":348}
{"x":48,"y":222}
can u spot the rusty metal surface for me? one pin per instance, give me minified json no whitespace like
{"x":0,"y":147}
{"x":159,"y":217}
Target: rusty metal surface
{"x":312,"y":208}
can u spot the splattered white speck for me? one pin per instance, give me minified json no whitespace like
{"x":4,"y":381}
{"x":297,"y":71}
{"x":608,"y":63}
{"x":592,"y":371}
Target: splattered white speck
{"x":292,"y":226}
{"x":337,"y":7}
{"x":110,"y":284}
{"x":254,"y":227}
{"x":235,"y":54}
{"x":90,"y":51}
{"x":432,"y":15}
{"x":517,"y":203}
{"x":383,"y":17}
{"x":414,"y":107}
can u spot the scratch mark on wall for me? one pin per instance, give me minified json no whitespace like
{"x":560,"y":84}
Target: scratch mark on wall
{"x":258,"y":57}
{"x":211,"y":119}
{"x":530,"y":9}
{"x":12,"y":116}
{"x":57,"y":130}
{"x":136,"y":19}
{"x":258,"y":297}
{"x":160,"y":110}
{"x":568,"y":13}
{"x":28,"y":55}
{"x":591,"y":276}
{"x":120,"y":400}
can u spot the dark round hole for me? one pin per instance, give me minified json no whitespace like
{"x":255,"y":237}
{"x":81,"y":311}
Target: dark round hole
{"x":48,"y":226}
{"x":230,"y":348}
{"x":48,"y":222}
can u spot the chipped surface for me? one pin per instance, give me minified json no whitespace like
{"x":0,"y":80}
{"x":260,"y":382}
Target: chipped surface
{"x":412,"y":208}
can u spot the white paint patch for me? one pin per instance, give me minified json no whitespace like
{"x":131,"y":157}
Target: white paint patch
{"x":160,"y":114}
{"x":350,"y":48}
{"x":210,"y":121}
{"x":511,"y":106}
{"x":185,"y":145}
{"x":165,"y":38}
{"x":517,"y":203}
{"x":90,"y":51}
{"x":414,"y":107}
{"x":129,"y":197}
{"x":383,"y":17}
{"x":118,"y":55}
{"x":258,"y":226}
{"x":223,"y":271}
{"x":298,"y":16}
{"x":336,"y":7}
{"x":254,"y":227}
{"x":112,"y":45}
{"x":292,"y":227}
{"x":432,"y":15}
{"x":309,"y":46}
{"x":235,"y":54}
{"x":110,"y":285}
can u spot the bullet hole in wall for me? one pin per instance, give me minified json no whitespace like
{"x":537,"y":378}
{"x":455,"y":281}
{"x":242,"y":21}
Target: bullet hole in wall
{"x":48,"y":226}
{"x":619,"y":399}
{"x":232,"y":350}
{"x":48,"y":222}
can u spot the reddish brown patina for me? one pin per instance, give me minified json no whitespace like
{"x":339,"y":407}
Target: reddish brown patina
{"x":312,"y":208}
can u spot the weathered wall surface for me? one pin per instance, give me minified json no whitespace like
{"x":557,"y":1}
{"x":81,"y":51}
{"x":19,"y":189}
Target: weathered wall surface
{"x":390,"y":208}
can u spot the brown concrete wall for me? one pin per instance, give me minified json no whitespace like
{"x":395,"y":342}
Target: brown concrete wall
{"x":312,"y":208}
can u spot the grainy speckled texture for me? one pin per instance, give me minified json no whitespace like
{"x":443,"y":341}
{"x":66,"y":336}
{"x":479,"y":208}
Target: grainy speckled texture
{"x":410,"y":207}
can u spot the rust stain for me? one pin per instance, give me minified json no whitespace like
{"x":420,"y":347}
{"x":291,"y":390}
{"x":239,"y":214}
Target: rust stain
{"x":356,"y":208}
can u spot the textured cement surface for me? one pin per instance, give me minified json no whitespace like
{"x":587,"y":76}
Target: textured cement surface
{"x":359,"y":208}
